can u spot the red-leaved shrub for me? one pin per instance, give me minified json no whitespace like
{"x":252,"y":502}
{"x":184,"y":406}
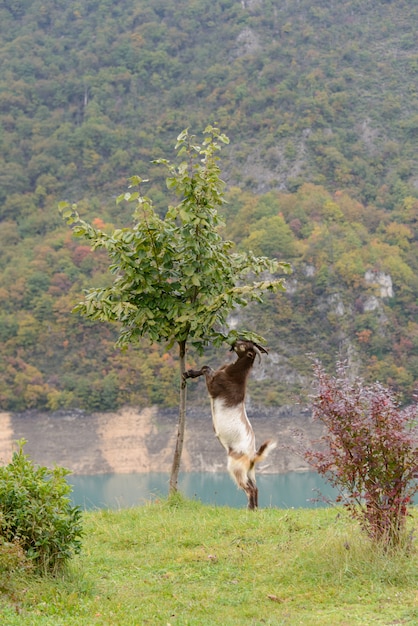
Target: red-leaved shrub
{"x":369,"y":451}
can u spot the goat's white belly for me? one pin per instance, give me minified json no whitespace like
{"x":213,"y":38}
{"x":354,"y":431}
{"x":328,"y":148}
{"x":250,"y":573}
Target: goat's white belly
{"x":232,"y":427}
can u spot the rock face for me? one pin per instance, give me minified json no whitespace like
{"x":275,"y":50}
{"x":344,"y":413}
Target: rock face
{"x":382,"y":281}
{"x":133,"y":440}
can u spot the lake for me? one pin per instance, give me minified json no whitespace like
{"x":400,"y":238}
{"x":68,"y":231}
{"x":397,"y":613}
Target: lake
{"x":113,"y":491}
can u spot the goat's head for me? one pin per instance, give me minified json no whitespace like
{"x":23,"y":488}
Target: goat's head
{"x":244,"y":348}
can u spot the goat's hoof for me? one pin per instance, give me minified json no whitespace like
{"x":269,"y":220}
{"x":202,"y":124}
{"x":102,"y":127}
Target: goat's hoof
{"x":185,"y":375}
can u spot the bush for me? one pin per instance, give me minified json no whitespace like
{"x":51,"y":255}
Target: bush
{"x":36,"y":513}
{"x":369,"y":451}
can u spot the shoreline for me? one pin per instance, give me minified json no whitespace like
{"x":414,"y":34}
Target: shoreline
{"x":142,"y":440}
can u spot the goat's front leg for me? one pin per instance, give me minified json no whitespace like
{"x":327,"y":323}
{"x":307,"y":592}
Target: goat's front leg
{"x":196,"y":373}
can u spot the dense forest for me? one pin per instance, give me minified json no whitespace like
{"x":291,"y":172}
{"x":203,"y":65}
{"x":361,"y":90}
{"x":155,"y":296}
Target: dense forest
{"x":319,"y":99}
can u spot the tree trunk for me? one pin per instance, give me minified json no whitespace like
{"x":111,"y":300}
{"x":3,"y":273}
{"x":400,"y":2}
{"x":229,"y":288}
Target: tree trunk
{"x":181,"y":422}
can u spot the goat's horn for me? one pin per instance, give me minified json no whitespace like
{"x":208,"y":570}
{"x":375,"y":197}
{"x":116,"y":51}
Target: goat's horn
{"x":260,"y":349}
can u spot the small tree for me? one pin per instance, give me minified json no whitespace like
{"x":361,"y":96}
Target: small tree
{"x":176,"y":279}
{"x":369,"y":451}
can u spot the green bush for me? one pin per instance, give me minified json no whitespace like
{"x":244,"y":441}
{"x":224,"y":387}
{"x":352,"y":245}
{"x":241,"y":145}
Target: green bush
{"x":36,"y":513}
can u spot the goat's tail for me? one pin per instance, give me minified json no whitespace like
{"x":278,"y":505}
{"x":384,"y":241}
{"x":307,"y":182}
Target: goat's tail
{"x":263,"y":451}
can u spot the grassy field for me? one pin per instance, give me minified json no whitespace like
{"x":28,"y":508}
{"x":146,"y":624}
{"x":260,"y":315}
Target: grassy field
{"x":182,"y":563}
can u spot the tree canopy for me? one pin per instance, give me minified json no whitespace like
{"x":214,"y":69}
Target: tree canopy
{"x":176,"y":277}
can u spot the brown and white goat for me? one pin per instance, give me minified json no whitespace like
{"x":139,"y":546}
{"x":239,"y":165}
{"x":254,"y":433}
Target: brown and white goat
{"x":227,"y":387}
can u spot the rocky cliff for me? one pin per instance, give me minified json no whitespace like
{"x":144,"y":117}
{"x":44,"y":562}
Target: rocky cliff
{"x":133,"y":440}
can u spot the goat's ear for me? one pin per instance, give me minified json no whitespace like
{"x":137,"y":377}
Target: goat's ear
{"x":263,"y":350}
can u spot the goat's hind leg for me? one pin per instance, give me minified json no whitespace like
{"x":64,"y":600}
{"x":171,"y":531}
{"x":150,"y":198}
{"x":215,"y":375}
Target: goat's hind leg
{"x":253,"y":500}
{"x":239,"y":473}
{"x":251,"y":490}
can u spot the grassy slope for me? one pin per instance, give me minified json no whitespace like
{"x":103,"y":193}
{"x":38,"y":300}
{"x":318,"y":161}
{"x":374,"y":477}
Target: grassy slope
{"x":193,"y":564}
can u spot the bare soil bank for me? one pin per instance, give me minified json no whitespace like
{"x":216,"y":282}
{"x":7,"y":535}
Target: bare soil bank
{"x":134,"y":440}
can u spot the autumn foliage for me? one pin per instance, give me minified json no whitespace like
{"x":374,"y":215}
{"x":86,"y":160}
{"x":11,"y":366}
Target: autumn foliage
{"x":369,"y":451}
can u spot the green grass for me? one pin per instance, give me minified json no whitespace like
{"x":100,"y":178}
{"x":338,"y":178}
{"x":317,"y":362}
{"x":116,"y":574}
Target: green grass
{"x":181,"y":562}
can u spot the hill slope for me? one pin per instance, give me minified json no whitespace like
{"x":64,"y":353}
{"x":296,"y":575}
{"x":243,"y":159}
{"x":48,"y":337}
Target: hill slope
{"x":308,"y":91}
{"x":319,"y":101}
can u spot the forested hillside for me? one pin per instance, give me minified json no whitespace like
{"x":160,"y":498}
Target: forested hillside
{"x":319,"y":99}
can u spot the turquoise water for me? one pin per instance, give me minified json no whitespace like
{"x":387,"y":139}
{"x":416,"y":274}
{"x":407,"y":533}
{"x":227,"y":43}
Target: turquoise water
{"x":292,"y":490}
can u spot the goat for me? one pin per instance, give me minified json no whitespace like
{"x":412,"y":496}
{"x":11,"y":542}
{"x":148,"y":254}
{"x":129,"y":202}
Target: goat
{"x":227,"y":387}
